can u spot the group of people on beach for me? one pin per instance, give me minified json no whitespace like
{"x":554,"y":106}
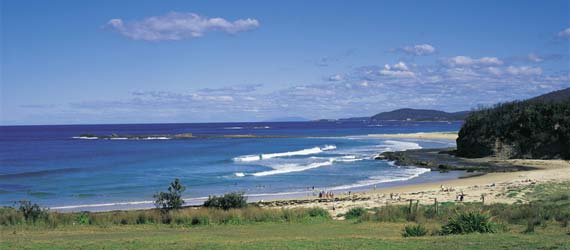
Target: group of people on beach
{"x":443,"y":188}
{"x":326,"y":195}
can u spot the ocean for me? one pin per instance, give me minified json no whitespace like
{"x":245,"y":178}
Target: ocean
{"x":54,"y":167}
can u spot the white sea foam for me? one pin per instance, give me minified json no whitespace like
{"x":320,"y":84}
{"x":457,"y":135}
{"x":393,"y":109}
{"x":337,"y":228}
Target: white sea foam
{"x":262,"y":127}
{"x":309,"y":151}
{"x":400,"y":145}
{"x":289,"y":168}
{"x":117,"y":204}
{"x":118,"y":138}
{"x":156,"y":138}
{"x":239,"y":174}
{"x":233,"y":128}
{"x":86,"y":137}
{"x":407,"y":174}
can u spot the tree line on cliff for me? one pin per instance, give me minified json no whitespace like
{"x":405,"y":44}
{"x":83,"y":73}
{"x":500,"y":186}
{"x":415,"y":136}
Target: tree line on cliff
{"x":538,"y":128}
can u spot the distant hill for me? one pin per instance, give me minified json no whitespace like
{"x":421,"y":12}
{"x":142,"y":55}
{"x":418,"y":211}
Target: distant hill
{"x":420,"y":115}
{"x":355,"y":119}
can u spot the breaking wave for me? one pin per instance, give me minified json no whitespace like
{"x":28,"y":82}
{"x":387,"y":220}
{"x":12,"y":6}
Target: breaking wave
{"x":404,"y":175}
{"x":309,"y":151}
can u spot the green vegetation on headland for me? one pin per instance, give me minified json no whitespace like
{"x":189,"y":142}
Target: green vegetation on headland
{"x":536,"y":129}
{"x":543,"y":223}
{"x":408,"y":114}
{"x":419,"y":115}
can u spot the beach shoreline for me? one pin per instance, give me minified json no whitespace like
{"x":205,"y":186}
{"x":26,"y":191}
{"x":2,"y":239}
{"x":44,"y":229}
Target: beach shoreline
{"x":451,"y":135}
{"x":489,"y":187}
{"x":494,"y":186}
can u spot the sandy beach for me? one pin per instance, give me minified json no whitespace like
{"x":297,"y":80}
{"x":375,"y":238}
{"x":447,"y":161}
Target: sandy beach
{"x":430,"y":135}
{"x":497,"y":187}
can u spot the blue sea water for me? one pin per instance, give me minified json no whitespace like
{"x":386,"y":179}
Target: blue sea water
{"x":49,"y":165}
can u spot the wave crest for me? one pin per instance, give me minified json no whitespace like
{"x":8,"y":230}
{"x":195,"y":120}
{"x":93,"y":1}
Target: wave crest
{"x":308,"y":151}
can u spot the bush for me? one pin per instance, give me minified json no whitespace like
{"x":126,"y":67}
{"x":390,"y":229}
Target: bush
{"x":414,"y":231}
{"x":10,"y":216}
{"x":171,"y":199}
{"x":31,"y":212}
{"x":355,"y":213}
{"x":318,"y":212}
{"x":227,"y":201}
{"x":468,"y":222}
{"x":83,"y":218}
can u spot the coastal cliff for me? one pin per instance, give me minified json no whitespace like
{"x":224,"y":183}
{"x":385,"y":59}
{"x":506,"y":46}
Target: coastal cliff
{"x":535,"y":129}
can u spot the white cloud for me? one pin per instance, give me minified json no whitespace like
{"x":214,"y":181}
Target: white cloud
{"x":399,"y":69}
{"x":336,"y":78}
{"x":564,"y":33}
{"x":419,"y":49}
{"x":524,"y":70}
{"x":534,"y":58}
{"x":178,"y":26}
{"x":465,"y":61}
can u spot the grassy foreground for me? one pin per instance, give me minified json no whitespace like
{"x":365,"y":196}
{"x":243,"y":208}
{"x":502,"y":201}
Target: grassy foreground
{"x":317,"y":235}
{"x":543,"y":223}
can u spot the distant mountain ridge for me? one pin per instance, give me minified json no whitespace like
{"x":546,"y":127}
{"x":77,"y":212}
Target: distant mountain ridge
{"x":409,"y":114}
{"x":419,"y":115}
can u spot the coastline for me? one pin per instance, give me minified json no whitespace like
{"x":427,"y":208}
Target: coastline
{"x":503,"y":187}
{"x":452,"y":135}
{"x":492,"y":187}
{"x":495,"y":186}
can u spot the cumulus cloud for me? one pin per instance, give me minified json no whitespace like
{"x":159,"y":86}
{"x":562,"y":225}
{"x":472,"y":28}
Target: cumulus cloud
{"x":524,"y":70}
{"x":419,"y":50}
{"x":399,"y":69}
{"x":362,"y":91}
{"x":564,"y":33}
{"x":178,"y":26}
{"x":336,"y":78}
{"x":465,"y":61}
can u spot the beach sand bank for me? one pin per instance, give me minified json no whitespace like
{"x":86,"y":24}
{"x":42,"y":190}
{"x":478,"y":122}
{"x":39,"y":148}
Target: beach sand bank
{"x":495,"y":187}
{"x":507,"y":187}
{"x":430,"y":135}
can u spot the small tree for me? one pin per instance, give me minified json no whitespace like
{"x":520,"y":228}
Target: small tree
{"x":172,"y":199}
{"x":31,"y":211}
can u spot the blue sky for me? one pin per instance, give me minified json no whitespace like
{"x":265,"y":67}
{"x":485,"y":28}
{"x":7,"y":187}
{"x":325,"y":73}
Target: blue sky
{"x":86,"y":62}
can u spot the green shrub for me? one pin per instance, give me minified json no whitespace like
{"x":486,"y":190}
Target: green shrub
{"x":318,"y":212}
{"x":31,"y":212}
{"x":82,"y":218}
{"x":227,"y":201}
{"x":10,"y":216}
{"x":414,"y":231}
{"x":468,"y":222}
{"x":171,"y":199}
{"x":355,"y":213}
